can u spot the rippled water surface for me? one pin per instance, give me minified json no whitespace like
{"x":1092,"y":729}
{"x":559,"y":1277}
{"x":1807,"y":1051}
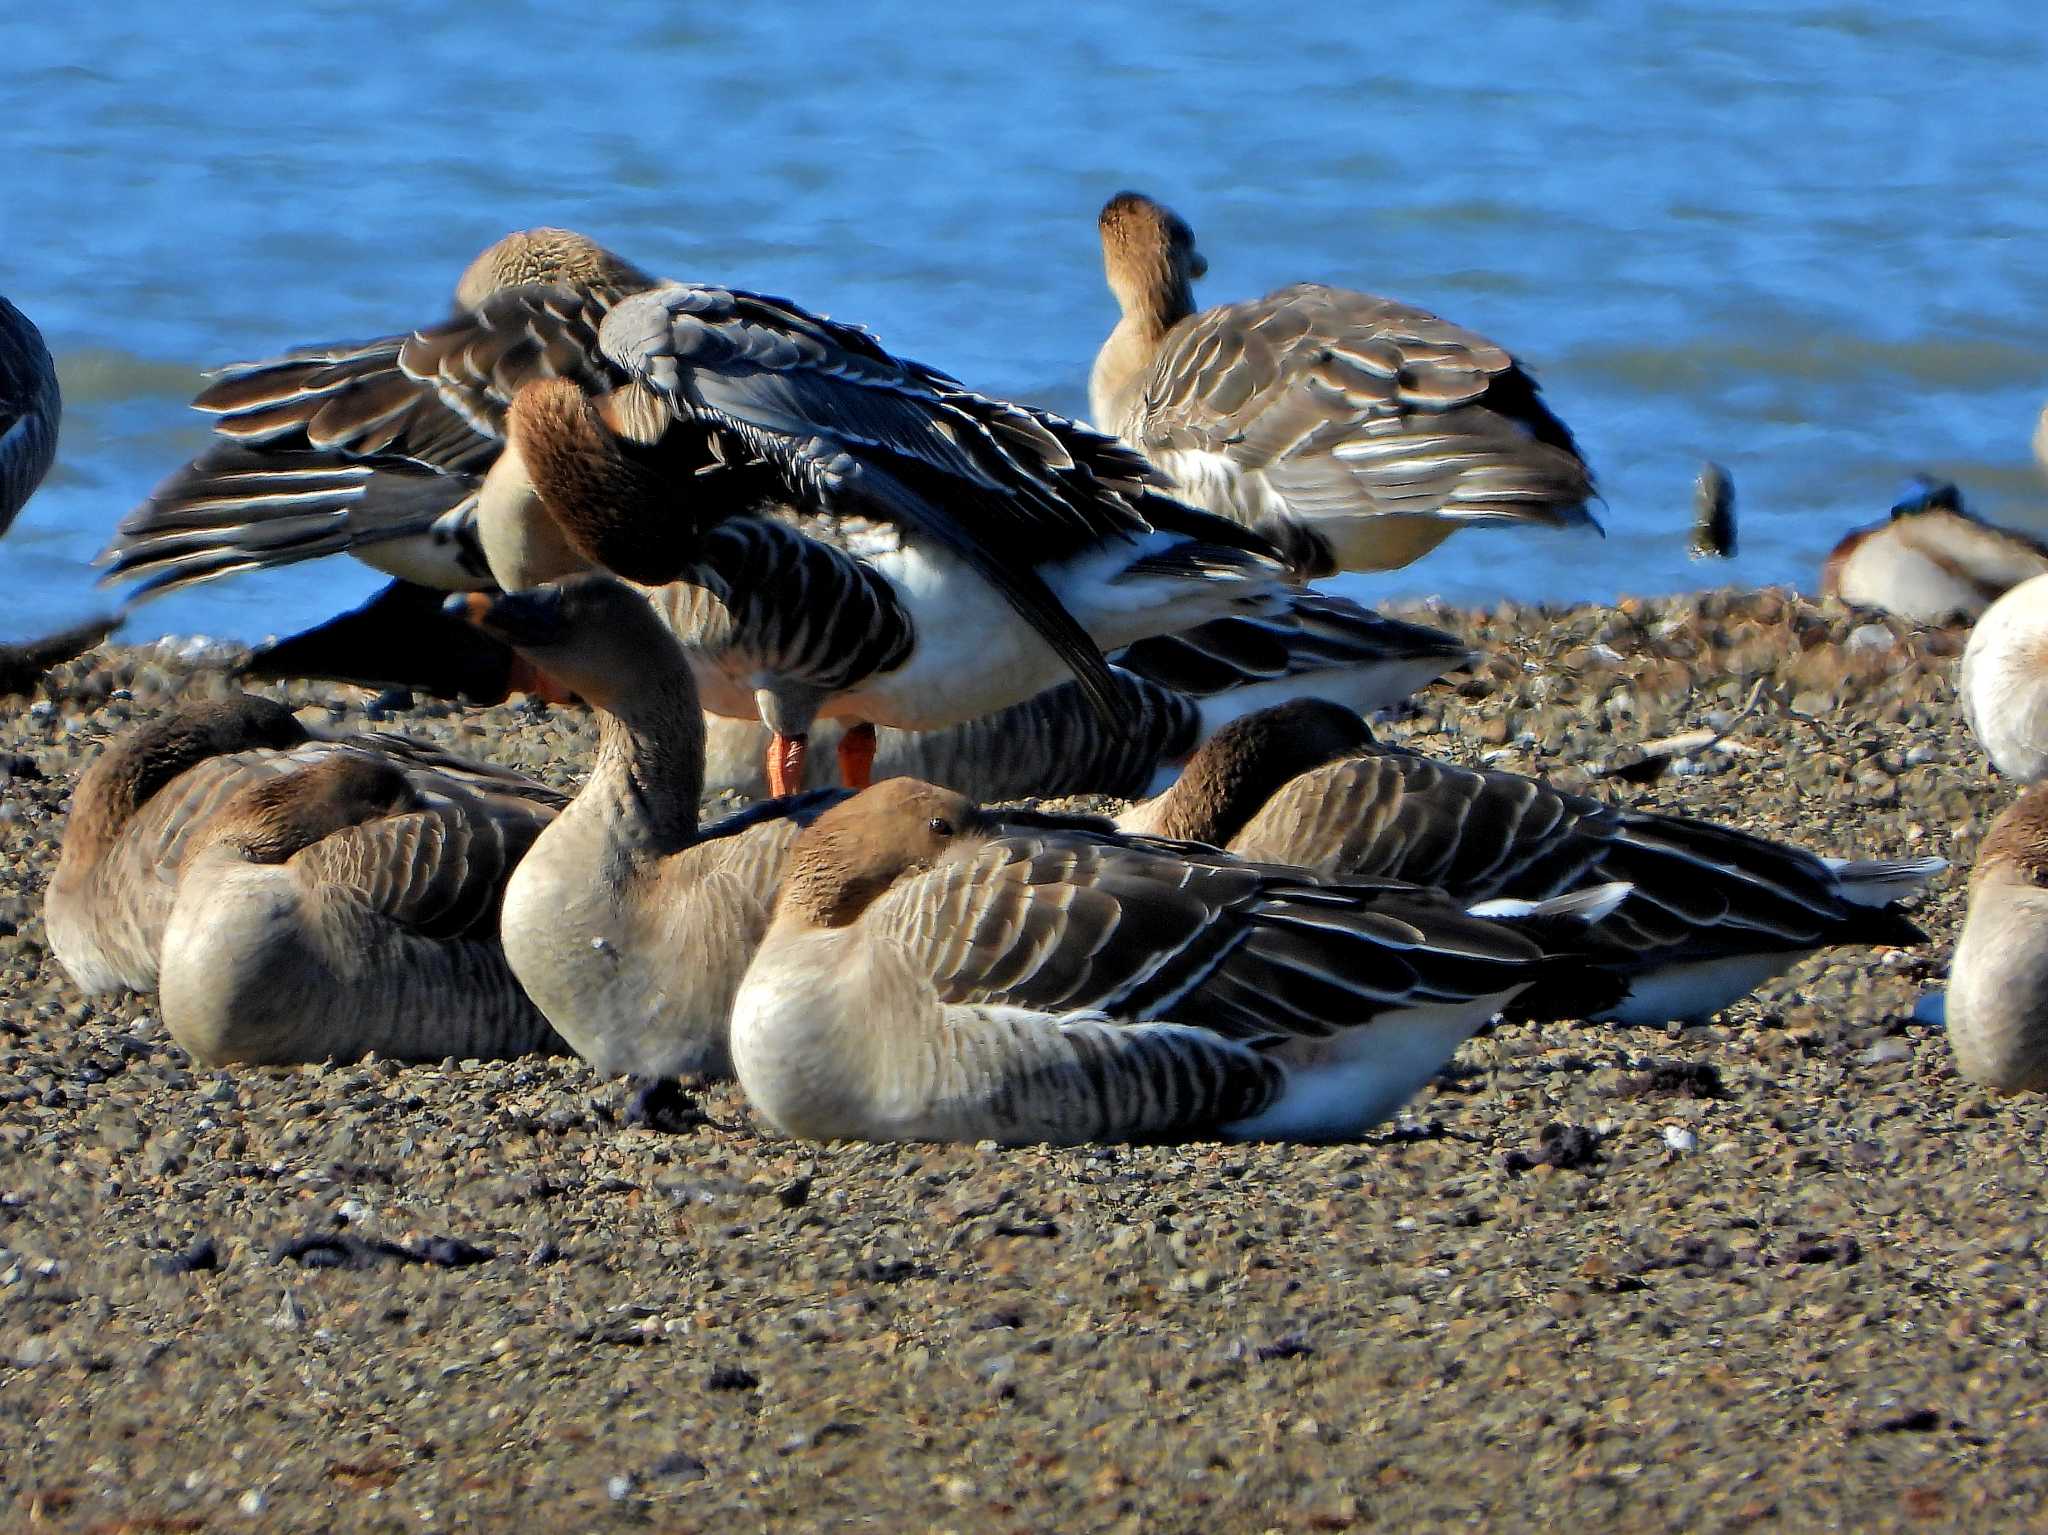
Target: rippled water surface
{"x":1809,"y":240}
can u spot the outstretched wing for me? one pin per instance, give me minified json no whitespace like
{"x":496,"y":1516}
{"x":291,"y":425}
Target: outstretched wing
{"x":1002,"y":487}
{"x":348,"y":446}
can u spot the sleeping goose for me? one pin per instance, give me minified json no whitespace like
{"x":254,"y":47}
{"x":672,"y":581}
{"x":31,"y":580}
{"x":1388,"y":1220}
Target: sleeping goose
{"x":1932,"y":560}
{"x":293,"y":897}
{"x":1358,"y":433}
{"x":30,"y":406}
{"x":930,"y":974}
{"x":1713,"y":912}
{"x":340,"y":448}
{"x":1997,"y":1008}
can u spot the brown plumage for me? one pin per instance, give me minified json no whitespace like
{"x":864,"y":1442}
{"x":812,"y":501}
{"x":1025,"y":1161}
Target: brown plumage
{"x":294,"y":897}
{"x":1710,"y":908}
{"x":1357,"y":432}
{"x":935,"y":973}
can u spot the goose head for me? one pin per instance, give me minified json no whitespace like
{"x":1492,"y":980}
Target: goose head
{"x":605,"y":501}
{"x":545,"y":255}
{"x":269,"y":821}
{"x":1149,"y":254}
{"x":853,"y":853}
{"x":591,"y":631}
{"x":1250,"y":760}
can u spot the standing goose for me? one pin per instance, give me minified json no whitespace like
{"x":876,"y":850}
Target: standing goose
{"x":1712,"y":914}
{"x":296,"y":898}
{"x":346,"y":448}
{"x":930,"y":974}
{"x":1357,"y":432}
{"x":30,"y":406}
{"x":839,"y":533}
{"x":784,"y":463}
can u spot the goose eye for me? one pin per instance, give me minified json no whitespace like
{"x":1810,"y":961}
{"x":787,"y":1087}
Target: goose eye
{"x":940,"y":826}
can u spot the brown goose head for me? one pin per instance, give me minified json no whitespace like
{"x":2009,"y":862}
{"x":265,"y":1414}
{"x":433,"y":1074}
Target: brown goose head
{"x":269,"y":821}
{"x":2015,"y":849}
{"x":1149,"y":254}
{"x":604,"y":492}
{"x":1248,"y":761}
{"x":545,"y":255}
{"x":122,"y":781}
{"x":853,"y":853}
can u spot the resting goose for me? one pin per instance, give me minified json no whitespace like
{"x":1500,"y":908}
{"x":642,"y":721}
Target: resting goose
{"x":297,"y":898}
{"x":30,"y":406}
{"x":627,"y":923}
{"x":1713,"y":912}
{"x":930,"y":974}
{"x":1997,"y":1009}
{"x":346,"y":448}
{"x":1932,"y":561}
{"x":1357,"y":432}
{"x":2003,"y":678}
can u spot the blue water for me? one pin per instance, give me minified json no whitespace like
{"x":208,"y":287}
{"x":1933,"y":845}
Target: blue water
{"x":1809,"y":240}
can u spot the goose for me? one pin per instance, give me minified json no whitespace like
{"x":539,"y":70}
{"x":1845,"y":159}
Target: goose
{"x":895,"y":550}
{"x":1713,"y":912}
{"x":863,"y":535}
{"x":339,"y":448}
{"x":293,"y":897}
{"x":627,"y":923}
{"x":1997,"y":1005}
{"x":931,"y":974}
{"x":1358,"y":433}
{"x":30,"y":406}
{"x":2003,"y":679}
{"x":1931,"y":561}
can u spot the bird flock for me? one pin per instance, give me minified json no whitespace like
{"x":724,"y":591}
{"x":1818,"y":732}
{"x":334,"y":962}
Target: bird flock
{"x":770,"y":555}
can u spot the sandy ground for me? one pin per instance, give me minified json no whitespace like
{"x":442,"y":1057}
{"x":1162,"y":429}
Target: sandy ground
{"x":1775,"y":1273}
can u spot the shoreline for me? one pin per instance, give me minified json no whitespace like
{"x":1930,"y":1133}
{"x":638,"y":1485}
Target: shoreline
{"x":1775,"y":1270}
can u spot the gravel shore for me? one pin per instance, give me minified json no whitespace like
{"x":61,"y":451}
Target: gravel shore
{"x":1779,"y":1272}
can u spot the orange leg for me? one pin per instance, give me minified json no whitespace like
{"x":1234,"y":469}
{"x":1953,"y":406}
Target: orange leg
{"x":857,"y":756}
{"x":786,"y":764}
{"x":529,"y":679}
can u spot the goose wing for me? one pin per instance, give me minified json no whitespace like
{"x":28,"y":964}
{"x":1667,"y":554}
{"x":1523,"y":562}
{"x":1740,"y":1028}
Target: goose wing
{"x":847,"y":425}
{"x":1143,"y":929}
{"x":340,"y":447}
{"x":1347,"y":404}
{"x":438,"y":869}
{"x":1400,"y":815}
